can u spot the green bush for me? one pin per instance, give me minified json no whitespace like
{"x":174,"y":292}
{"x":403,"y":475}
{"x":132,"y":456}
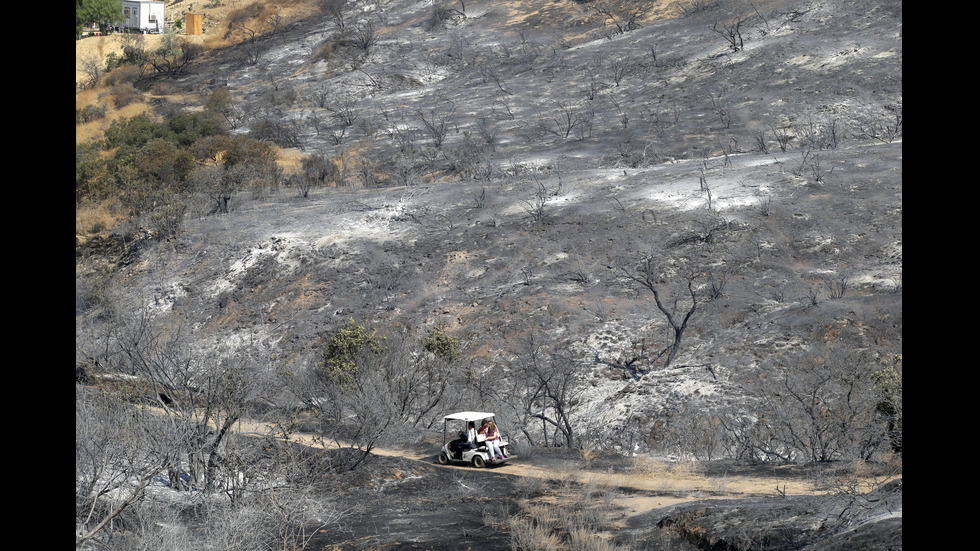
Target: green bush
{"x":132,"y":133}
{"x":441,"y":344}
{"x":343,"y":350}
{"x":89,"y":113}
{"x":188,"y":127}
{"x":889,"y":382}
{"x":131,"y":55}
{"x":182,"y":129}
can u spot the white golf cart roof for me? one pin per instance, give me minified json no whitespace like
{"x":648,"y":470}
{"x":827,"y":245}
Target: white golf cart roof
{"x":468,"y":416}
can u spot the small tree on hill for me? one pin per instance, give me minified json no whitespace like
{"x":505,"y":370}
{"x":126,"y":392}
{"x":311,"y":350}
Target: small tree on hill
{"x":818,"y":405}
{"x":732,"y":31}
{"x":173,"y":55}
{"x":889,"y":383}
{"x":104,"y":13}
{"x":678,"y":306}
{"x":625,"y":15}
{"x":345,"y":347}
{"x":541,"y":392}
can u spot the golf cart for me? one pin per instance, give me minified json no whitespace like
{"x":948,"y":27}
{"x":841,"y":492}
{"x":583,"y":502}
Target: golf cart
{"x":456,"y":450}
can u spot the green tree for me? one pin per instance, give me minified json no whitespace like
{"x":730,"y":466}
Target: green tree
{"x":162,"y":163}
{"x":889,"y":382}
{"x":221,"y":103}
{"x":88,"y":167}
{"x":240,"y":149}
{"x":130,"y":134}
{"x":441,"y":344}
{"x":102,"y":12}
{"x":188,"y":127}
{"x":340,"y":359}
{"x":133,"y":53}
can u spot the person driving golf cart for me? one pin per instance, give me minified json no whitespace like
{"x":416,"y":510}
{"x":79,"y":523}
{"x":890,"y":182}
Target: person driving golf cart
{"x":472,"y":446}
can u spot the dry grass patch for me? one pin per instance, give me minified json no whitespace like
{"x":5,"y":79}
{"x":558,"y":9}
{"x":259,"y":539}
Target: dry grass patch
{"x":95,"y":219}
{"x":666,"y":477}
{"x":574,"y":515}
{"x":526,"y":535}
{"x":94,"y":130}
{"x":290,"y":160}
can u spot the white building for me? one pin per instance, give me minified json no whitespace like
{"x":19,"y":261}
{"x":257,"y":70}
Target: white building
{"x":142,"y":15}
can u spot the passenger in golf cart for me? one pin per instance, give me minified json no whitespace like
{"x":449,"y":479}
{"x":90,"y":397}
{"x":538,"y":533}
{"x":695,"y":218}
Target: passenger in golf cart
{"x":470,"y":445}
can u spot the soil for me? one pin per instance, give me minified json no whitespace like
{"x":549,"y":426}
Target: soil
{"x":405,"y":498}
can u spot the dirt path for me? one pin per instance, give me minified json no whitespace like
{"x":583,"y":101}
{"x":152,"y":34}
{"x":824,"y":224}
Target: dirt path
{"x":656,"y":483}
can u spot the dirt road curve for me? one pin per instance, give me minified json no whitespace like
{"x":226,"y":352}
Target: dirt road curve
{"x":671,"y":482}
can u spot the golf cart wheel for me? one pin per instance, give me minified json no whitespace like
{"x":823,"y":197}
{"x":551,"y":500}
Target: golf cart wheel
{"x":478,"y":462}
{"x":443,"y":458}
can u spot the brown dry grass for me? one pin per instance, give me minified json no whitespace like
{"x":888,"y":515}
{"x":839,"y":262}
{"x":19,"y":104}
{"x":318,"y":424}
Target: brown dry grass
{"x":95,"y":218}
{"x":95,"y":49}
{"x":123,"y":101}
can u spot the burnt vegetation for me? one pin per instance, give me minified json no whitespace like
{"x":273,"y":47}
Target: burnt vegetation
{"x":635,"y":231}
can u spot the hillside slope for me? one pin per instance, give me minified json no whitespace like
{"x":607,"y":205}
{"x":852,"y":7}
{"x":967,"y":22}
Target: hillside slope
{"x":566,"y":155}
{"x":506,"y":171}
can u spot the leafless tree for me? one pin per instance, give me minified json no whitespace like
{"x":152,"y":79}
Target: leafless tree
{"x":677,"y":307}
{"x":810,"y":168}
{"x":837,"y":286}
{"x":201,"y":397}
{"x":344,"y":110}
{"x":364,"y":37}
{"x":114,"y":463}
{"x":487,"y":131}
{"x":317,"y":169}
{"x":732,"y":32}
{"x":173,"y":55}
{"x":819,"y":406}
{"x":695,"y":6}
{"x":491,"y":74}
{"x":566,"y":119}
{"x":94,"y":68}
{"x":765,"y":204}
{"x":248,"y":36}
{"x":535,"y":206}
{"x":437,"y":121}
{"x":885,"y":128}
{"x":543,"y":387}
{"x":415,"y":376}
{"x":220,"y":185}
{"x":625,"y":15}
{"x":292,"y":515}
{"x":724,"y":115}
{"x":704,"y":187}
{"x":783,"y":137}
{"x":760,"y":142}
{"x":336,"y":11}
{"x":624,"y":116}
{"x":620,"y":67}
{"x":718,"y":278}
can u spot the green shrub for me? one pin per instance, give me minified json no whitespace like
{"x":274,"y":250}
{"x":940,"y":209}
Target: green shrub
{"x":343,"y":350}
{"x":89,"y":113}
{"x":441,"y":344}
{"x":188,"y":127}
{"x":133,"y":133}
{"x":889,"y":382}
